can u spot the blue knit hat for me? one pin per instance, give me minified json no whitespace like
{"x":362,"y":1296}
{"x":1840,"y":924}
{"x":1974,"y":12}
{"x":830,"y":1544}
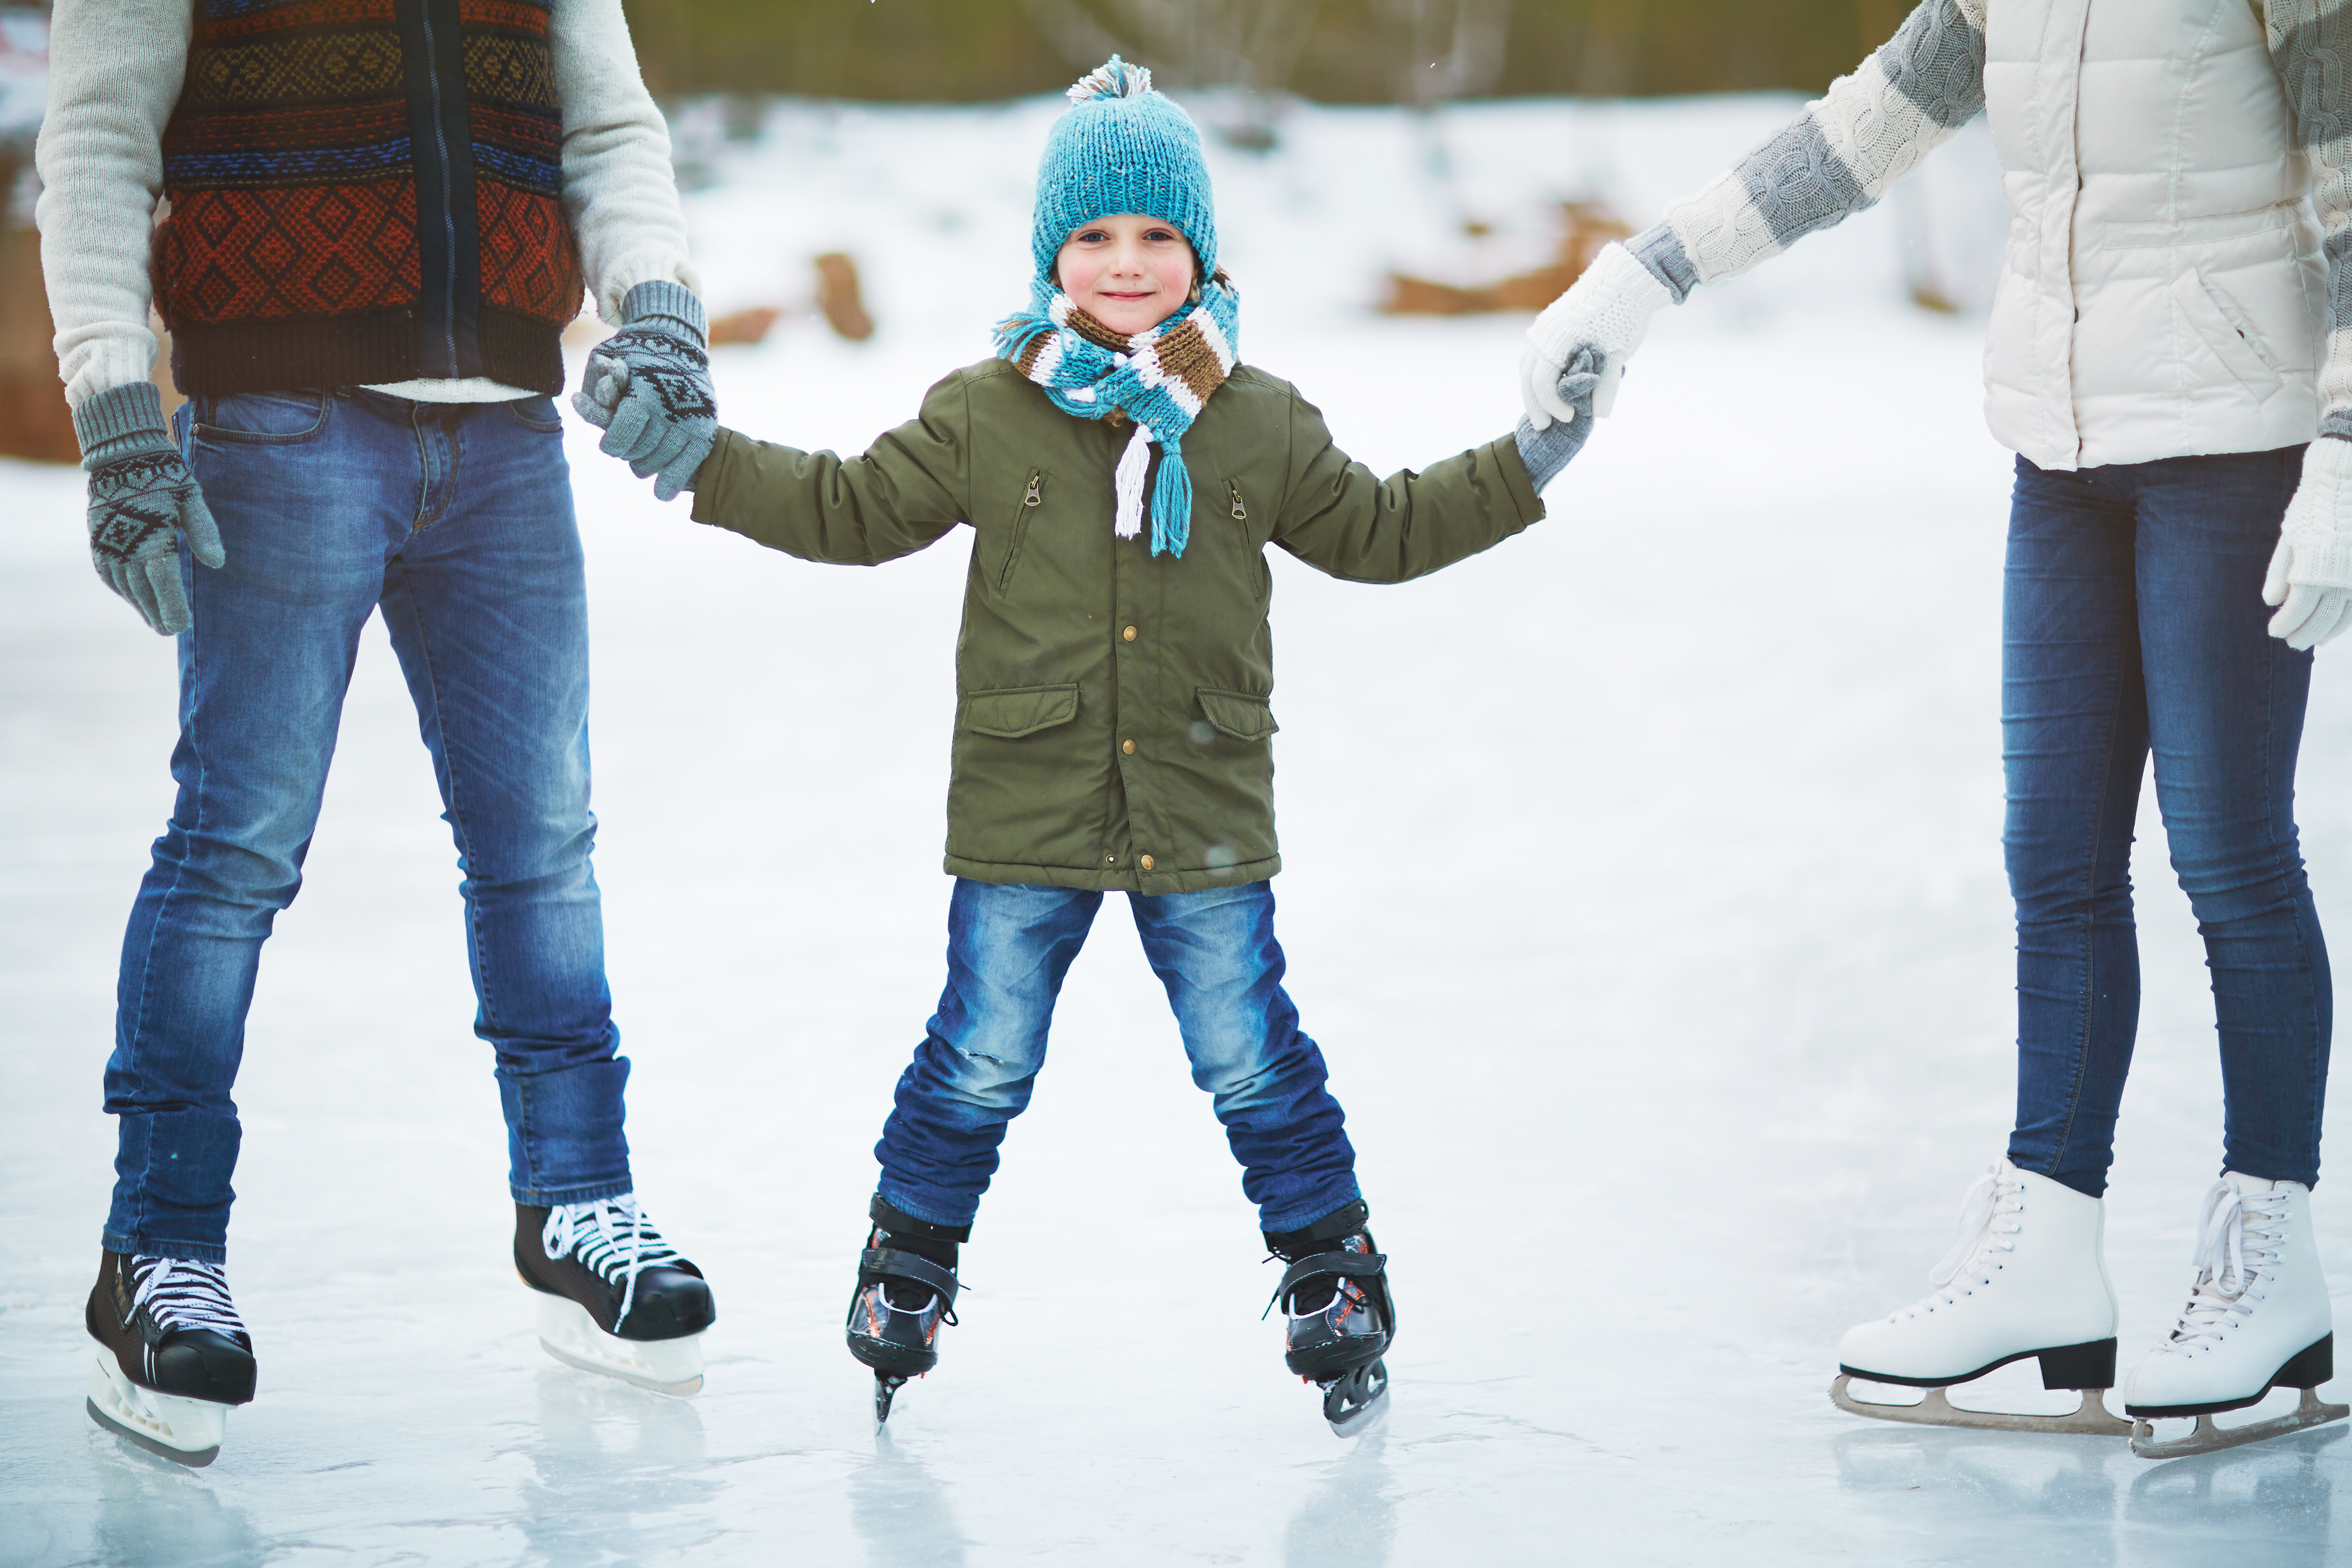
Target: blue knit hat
{"x":1122,"y":148}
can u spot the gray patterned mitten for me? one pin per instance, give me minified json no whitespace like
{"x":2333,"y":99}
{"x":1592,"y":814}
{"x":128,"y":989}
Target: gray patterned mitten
{"x":647,"y":386}
{"x":1547,"y":451}
{"x":141,"y":498}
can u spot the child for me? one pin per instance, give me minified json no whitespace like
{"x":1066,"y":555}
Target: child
{"x":1113,"y":729}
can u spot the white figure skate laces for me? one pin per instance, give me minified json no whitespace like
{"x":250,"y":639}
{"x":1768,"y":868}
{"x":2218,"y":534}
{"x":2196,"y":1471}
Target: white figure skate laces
{"x":180,"y":1294}
{"x":1988,"y":1224}
{"x":612,"y":1239}
{"x":2237,"y":1246}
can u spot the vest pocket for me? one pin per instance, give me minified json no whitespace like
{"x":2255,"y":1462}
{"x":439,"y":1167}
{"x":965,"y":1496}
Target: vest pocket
{"x":1237,"y":714}
{"x":2223,"y":326}
{"x":1020,"y":710}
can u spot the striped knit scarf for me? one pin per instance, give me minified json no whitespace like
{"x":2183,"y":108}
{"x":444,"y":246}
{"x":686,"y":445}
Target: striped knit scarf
{"x":1160,"y":378}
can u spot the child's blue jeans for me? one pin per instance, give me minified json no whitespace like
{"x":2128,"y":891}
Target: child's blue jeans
{"x":1008,"y":949}
{"x":2135,"y":627}
{"x":455,"y":520}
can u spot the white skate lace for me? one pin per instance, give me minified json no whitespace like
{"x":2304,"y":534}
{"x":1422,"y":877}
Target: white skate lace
{"x":2237,"y":1242}
{"x":1988,"y":1219}
{"x":613,"y":1239}
{"x":179,"y":1294}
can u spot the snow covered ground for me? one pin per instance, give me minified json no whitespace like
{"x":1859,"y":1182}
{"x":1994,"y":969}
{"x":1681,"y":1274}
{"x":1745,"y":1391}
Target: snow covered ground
{"x":1644,"y":891}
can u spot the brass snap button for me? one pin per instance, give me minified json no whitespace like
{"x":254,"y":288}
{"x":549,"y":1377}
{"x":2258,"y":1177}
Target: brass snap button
{"x":1128,"y":634}
{"x":1127,"y":746}
{"x":1145,"y":862}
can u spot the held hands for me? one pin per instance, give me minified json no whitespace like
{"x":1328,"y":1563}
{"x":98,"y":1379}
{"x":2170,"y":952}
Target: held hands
{"x":141,"y":498}
{"x":2310,"y":577}
{"x":1548,"y":450}
{"x":647,"y":387}
{"x":1607,"y":311}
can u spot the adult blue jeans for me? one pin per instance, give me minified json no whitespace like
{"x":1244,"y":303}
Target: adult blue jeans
{"x":455,"y":520}
{"x":1008,"y":948}
{"x":2135,"y":627}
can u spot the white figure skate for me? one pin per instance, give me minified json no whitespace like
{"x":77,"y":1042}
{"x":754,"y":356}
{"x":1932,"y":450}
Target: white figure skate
{"x":2257,"y":1319}
{"x":2026,"y":1277}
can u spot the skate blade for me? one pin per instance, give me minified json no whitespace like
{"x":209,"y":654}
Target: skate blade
{"x":2209,"y":1438}
{"x":568,"y":1333}
{"x":169,"y":1426}
{"x":1357,"y":1402}
{"x":885,"y":1388}
{"x":2089,"y":1419}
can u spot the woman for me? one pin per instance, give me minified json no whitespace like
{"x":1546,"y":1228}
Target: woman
{"x":2170,"y":361}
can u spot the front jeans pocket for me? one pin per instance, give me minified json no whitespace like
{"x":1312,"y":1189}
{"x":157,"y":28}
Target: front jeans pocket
{"x":263,"y":418}
{"x":537,"y":415}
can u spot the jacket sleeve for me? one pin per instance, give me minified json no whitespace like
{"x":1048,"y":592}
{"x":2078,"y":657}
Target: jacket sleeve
{"x":115,"y":68}
{"x":2311,"y":42}
{"x":1340,"y":519}
{"x":619,"y":190}
{"x":909,"y":487}
{"x":1836,"y":158}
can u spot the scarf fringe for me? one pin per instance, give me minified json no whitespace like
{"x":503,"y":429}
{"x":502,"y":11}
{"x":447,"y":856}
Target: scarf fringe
{"x":1160,"y":379}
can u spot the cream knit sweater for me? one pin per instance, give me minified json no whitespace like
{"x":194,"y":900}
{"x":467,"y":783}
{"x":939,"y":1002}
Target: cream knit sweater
{"x":115,"y":68}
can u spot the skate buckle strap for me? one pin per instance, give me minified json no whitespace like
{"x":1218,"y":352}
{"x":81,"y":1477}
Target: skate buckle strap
{"x":889,"y":1263}
{"x":1339,"y":1265}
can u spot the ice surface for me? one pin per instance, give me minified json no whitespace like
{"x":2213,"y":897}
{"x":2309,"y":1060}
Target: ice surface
{"x":1645,"y":890}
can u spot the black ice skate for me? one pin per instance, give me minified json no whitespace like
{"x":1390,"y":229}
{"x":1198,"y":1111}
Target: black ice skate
{"x":615,"y":1298}
{"x":174,"y":1355}
{"x":1342,"y":1320}
{"x":905,"y":1293}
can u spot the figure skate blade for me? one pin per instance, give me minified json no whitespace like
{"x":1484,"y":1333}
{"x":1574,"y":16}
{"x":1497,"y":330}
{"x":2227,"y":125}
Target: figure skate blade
{"x":185,"y":1431}
{"x":568,"y":1333}
{"x":2089,"y":1419}
{"x":2208,"y":1438}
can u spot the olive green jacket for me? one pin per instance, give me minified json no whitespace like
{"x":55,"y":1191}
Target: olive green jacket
{"x":1112,"y":723}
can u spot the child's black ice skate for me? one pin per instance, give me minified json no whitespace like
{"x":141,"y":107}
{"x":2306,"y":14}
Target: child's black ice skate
{"x":905,"y":1293}
{"x":1342,"y":1320}
{"x":173,"y":1355}
{"x":614,"y":1297}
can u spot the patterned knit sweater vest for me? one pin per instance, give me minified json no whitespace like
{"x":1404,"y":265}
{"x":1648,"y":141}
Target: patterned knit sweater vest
{"x":366,"y":191}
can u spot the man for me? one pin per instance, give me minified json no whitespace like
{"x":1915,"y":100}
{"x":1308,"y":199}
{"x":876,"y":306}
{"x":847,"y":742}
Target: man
{"x":381,"y":214}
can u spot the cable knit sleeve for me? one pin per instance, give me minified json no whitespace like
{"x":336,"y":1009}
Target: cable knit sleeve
{"x":115,"y":68}
{"x":618,"y":188}
{"x":2311,"y":44}
{"x":1836,"y":158}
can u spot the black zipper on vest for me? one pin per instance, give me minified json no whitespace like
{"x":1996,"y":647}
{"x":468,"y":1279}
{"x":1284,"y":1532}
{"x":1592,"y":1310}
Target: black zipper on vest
{"x":448,"y":243}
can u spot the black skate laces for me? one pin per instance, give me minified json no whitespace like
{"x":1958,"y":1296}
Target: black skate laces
{"x":1313,"y":1297}
{"x":179,"y":1294}
{"x":613,"y":1239}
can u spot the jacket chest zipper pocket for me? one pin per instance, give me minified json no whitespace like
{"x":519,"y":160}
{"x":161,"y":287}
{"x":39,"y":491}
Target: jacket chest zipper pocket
{"x":1240,"y":512}
{"x":1031,"y":497}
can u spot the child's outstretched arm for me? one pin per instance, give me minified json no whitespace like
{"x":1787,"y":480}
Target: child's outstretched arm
{"x":909,"y":487}
{"x":1339,"y":518}
{"x":1834,"y":160}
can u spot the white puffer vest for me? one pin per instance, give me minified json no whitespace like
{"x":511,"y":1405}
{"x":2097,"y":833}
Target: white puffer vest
{"x":2164,"y":293}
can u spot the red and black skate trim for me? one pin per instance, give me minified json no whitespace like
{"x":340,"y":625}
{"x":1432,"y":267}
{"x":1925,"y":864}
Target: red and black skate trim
{"x":170,"y":1326}
{"x":1340,"y":1317}
{"x":667,"y":1301}
{"x":906,"y":1288}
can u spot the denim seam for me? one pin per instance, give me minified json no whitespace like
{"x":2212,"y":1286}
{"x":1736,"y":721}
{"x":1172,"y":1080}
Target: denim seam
{"x":163,"y":908}
{"x":2316,"y":1080}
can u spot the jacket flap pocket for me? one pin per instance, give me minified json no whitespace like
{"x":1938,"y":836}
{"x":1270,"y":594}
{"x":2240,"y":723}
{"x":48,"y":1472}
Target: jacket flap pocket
{"x":1020,"y":710}
{"x":2231,"y":340}
{"x":1238,"y":714}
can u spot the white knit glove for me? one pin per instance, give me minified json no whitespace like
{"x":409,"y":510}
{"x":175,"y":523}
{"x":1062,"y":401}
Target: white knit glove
{"x":2311,"y":572}
{"x":1607,"y":311}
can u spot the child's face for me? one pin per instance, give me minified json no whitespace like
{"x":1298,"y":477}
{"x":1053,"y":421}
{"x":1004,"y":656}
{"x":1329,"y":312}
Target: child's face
{"x":1127,"y":271}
